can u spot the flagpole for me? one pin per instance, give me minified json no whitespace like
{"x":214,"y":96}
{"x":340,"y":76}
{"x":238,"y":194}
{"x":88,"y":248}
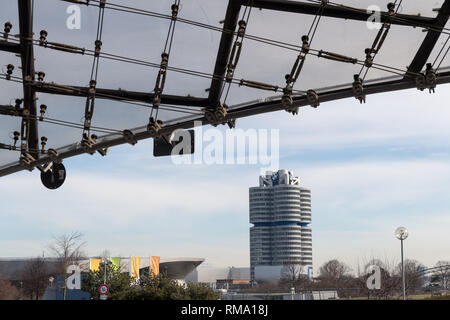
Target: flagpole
{"x":104,"y":258}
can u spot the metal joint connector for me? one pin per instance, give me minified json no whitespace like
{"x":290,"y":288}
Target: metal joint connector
{"x":129,"y":137}
{"x":154,"y":127}
{"x":313,"y":98}
{"x":217,"y":116}
{"x":7,"y":29}
{"x":358,"y":89}
{"x":174,"y":11}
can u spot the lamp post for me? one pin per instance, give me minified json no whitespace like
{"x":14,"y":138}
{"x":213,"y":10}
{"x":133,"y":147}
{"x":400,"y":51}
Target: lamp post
{"x":401,"y":233}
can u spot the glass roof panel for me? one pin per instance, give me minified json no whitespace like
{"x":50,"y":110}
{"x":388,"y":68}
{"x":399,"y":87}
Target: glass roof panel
{"x":135,"y":34}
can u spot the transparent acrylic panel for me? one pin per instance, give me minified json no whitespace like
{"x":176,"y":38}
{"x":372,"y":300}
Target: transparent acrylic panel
{"x":142,"y":36}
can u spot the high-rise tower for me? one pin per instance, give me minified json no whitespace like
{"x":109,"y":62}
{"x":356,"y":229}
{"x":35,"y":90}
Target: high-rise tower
{"x":280,"y":211}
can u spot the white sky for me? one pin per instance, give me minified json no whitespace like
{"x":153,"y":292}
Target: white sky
{"x":370,"y":167}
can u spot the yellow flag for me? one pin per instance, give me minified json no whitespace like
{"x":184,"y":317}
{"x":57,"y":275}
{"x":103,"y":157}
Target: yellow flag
{"x":154,"y":266}
{"x":95,"y":264}
{"x":135,"y":263}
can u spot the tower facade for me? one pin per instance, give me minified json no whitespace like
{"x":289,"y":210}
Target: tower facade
{"x":280,"y":211}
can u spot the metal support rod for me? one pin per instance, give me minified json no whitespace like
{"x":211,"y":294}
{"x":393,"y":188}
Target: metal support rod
{"x":340,"y":12}
{"x":235,"y":113}
{"x":9,"y":46}
{"x":331,"y":95}
{"x":104,"y":280}
{"x":120,"y":95}
{"x":226,"y":43}
{"x":403,"y":272}
{"x":430,"y":40}
{"x":27,"y":57}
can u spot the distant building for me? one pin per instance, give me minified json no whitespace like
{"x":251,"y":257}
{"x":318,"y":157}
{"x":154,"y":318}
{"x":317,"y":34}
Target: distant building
{"x":11,"y":269}
{"x":229,"y":284}
{"x":280,"y":211}
{"x":309,"y":295}
{"x":221,"y":278}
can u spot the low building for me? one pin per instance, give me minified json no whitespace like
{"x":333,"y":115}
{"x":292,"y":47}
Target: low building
{"x":11,"y":269}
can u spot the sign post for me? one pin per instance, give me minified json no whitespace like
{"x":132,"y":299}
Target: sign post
{"x":103,"y":289}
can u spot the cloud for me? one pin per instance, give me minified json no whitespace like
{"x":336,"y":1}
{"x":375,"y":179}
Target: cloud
{"x":371,"y":167}
{"x":410,"y":118}
{"x":204,"y":212}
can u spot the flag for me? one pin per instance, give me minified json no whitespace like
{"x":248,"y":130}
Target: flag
{"x":154,"y":265}
{"x":135,"y":263}
{"x":95,"y":264}
{"x":115,"y":263}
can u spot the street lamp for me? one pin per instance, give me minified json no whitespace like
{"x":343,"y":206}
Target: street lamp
{"x":401,"y":233}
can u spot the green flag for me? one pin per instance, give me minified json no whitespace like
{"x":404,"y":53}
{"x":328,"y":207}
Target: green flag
{"x":115,"y":263}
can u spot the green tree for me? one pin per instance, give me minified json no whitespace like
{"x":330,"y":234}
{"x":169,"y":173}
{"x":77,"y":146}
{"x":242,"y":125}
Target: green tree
{"x":117,"y":281}
{"x":8,"y":291}
{"x":200,"y":292}
{"x":122,"y":287}
{"x":35,"y":275}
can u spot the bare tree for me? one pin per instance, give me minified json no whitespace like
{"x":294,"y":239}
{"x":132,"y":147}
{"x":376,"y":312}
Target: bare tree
{"x":333,"y":270}
{"x":8,"y":291}
{"x":414,"y":278}
{"x":390,"y":282}
{"x":35,"y":277}
{"x":291,"y":273}
{"x":442,"y":272}
{"x":68,"y":250}
{"x":335,"y":274}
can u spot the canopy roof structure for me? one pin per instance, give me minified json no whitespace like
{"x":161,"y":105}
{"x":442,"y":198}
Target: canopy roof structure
{"x":82,"y":76}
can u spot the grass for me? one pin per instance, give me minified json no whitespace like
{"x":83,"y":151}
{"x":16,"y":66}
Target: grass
{"x":410,"y":297}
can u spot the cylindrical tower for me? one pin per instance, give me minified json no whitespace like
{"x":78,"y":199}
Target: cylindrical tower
{"x":280,"y":211}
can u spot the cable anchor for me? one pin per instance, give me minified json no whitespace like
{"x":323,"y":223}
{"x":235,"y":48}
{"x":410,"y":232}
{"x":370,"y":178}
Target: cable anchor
{"x":358,"y":89}
{"x":427,"y":80}
{"x":53,"y":155}
{"x":18,"y":103}
{"x":16,"y":138}
{"x":296,"y":69}
{"x":7,"y":29}
{"x":9,"y":71}
{"x":217,"y":116}
{"x":391,"y":9}
{"x":43,"y":143}
{"x":231,"y":123}
{"x":430,"y":78}
{"x":160,"y":80}
{"x":26,"y":159}
{"x":41,"y":76}
{"x":242,"y":25}
{"x":174,"y":11}
{"x":153,"y":127}
{"x":88,"y":142}
{"x":98,"y":47}
{"x":90,"y":102}
{"x":305,"y":45}
{"x":235,"y":52}
{"x":43,"y":38}
{"x":369,"y":58}
{"x":287,"y":101}
{"x":129,"y":137}
{"x":43,"y":109}
{"x":313,"y":98}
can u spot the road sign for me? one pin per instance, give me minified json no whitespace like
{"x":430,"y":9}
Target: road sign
{"x":103,"y":297}
{"x":103,"y":289}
